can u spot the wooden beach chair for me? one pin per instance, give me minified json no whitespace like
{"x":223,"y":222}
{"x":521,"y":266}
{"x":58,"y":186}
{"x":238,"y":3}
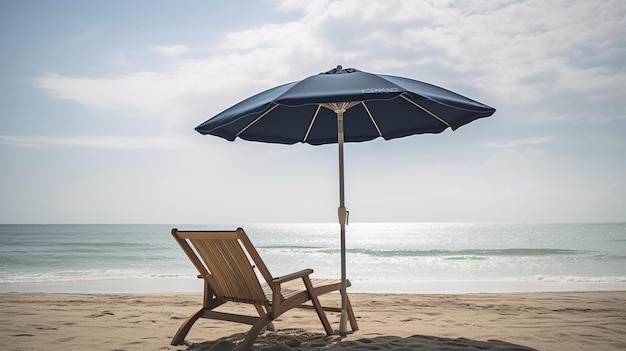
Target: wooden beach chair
{"x":229,"y":263}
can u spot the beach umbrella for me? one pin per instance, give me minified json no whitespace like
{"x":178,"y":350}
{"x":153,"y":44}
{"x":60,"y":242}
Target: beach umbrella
{"x":344,"y":105}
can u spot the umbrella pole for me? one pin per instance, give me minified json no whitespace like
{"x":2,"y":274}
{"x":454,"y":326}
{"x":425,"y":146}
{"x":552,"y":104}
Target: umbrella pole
{"x":343,"y":217}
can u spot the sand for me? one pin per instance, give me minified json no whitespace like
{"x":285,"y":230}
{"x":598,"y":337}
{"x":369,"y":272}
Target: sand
{"x":508,"y":321}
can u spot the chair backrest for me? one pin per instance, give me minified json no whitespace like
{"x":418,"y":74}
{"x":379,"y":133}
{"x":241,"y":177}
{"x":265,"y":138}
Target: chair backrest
{"x":227,"y":261}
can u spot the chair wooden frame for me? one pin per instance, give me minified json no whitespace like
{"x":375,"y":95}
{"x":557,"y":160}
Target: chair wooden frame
{"x":228,"y":263}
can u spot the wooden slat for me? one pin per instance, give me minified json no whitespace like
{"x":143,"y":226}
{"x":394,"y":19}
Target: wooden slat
{"x":230,"y":268}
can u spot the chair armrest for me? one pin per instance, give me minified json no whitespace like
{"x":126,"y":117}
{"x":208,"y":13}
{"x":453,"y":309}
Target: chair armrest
{"x":275,"y":284}
{"x":292,"y":276}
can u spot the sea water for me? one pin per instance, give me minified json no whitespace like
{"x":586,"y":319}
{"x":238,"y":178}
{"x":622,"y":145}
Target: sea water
{"x":381,"y":257}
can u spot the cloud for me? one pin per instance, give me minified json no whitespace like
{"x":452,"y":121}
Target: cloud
{"x":520,"y":142}
{"x":552,"y":55}
{"x":170,"y":51}
{"x":142,"y":93}
{"x":101,"y":142}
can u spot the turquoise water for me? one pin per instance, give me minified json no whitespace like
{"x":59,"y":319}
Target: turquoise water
{"x":382,"y":257}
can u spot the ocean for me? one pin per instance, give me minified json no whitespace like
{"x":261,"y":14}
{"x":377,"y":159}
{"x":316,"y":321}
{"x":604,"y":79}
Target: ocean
{"x":381,"y":257}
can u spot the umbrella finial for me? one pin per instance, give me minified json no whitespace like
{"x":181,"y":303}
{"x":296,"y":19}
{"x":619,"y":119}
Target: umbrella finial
{"x":339,"y":70}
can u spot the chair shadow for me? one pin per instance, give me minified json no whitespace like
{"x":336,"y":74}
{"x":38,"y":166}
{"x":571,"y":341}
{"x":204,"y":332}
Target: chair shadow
{"x":301,"y":340}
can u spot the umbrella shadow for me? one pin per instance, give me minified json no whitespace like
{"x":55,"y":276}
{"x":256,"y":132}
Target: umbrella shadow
{"x":301,"y":340}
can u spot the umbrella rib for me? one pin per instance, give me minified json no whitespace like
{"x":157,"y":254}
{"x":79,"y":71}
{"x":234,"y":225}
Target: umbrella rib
{"x":256,"y":119}
{"x":425,"y":110}
{"x":306,"y":136}
{"x":372,"y":118}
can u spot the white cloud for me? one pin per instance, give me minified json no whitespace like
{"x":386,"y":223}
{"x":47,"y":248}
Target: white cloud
{"x":520,"y":142}
{"x":102,"y":142}
{"x":170,"y":51}
{"x":516,"y":53}
{"x":142,"y":93}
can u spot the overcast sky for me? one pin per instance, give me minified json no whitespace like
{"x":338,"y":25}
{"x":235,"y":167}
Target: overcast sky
{"x":99,"y":100}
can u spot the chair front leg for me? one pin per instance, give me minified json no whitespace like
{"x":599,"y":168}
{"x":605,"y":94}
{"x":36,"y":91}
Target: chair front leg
{"x":262,"y":312}
{"x":277,"y":299}
{"x":248,"y":342}
{"x":318,"y":306}
{"x":209,"y":302}
{"x":185,"y":327}
{"x":351,"y":317}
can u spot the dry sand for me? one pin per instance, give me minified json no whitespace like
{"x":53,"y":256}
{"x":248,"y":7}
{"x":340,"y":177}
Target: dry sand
{"x":510,"y":321}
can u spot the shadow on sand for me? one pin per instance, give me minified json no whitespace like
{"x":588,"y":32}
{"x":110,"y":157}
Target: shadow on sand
{"x":301,"y":340}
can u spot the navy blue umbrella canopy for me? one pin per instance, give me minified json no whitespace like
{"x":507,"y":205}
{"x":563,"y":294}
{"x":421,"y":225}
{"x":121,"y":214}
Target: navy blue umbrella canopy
{"x":382,"y":106}
{"x":344,"y":105}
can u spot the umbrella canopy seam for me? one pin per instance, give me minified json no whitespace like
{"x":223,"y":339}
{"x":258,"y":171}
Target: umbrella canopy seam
{"x":372,"y":118}
{"x":256,"y":120}
{"x":425,"y":110}
{"x":311,"y":124}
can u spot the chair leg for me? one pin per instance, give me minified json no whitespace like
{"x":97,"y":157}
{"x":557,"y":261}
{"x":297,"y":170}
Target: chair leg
{"x":185,"y":327}
{"x":248,"y":342}
{"x":351,"y":317}
{"x":209,"y":304}
{"x":318,"y":306}
{"x":262,"y":312}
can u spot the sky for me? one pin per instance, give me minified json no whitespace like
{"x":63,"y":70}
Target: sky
{"x":99,"y":101}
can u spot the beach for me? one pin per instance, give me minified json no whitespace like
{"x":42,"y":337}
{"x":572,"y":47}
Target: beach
{"x":593,"y":320}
